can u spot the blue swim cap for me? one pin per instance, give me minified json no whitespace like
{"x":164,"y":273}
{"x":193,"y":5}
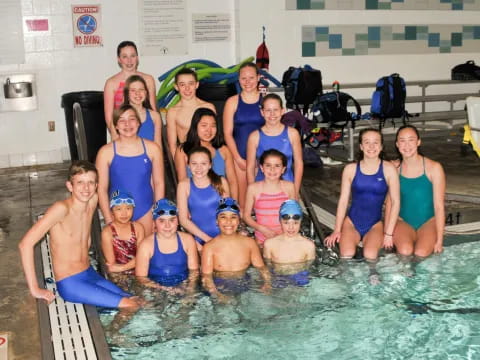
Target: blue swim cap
{"x":290,"y":207}
{"x":120,"y":197}
{"x":164,"y":207}
{"x":227,"y":204}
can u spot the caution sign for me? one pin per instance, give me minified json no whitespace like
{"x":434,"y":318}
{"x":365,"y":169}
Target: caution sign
{"x":3,"y":346}
{"x":87,"y":25}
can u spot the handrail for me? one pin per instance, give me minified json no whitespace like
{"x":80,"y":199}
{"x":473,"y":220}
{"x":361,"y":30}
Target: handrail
{"x":168,"y":157}
{"x":81,"y":143}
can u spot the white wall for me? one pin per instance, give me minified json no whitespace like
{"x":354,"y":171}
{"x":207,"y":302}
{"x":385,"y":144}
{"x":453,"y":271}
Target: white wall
{"x":284,"y":41}
{"x":60,"y":68}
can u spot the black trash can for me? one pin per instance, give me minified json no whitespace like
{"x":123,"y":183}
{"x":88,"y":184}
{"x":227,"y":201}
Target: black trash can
{"x":216,"y":94}
{"x":93,"y":119}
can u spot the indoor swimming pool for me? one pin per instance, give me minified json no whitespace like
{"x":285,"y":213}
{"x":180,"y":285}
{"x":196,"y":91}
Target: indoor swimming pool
{"x":432,"y":314}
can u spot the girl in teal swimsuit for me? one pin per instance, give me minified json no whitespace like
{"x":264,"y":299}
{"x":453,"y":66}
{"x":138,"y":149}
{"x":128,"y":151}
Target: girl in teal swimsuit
{"x":422,"y":191}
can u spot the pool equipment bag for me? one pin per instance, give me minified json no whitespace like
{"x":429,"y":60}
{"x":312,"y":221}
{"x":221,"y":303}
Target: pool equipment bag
{"x":388,"y":99}
{"x":467,"y":71}
{"x":332,"y":108}
{"x":302,"y":85}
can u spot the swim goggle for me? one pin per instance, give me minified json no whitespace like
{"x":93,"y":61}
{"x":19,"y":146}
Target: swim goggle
{"x":120,"y":197}
{"x":228,"y":204}
{"x":164,"y":207}
{"x":290,"y":217}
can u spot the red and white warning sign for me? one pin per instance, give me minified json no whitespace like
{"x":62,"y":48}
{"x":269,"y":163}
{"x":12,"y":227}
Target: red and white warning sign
{"x":3,"y":346}
{"x":87,"y":20}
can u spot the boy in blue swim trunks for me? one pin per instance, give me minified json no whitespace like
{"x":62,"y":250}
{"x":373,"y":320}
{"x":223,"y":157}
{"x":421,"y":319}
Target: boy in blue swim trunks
{"x":226,"y":258}
{"x":69,"y":223}
{"x":290,"y":254}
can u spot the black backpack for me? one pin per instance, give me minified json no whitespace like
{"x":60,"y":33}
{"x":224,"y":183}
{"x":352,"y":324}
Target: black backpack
{"x":332,"y":108}
{"x":301,"y":86}
{"x":467,"y":71}
{"x":388,"y":99}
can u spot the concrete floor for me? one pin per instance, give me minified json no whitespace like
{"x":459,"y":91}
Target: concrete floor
{"x":28,"y":191}
{"x":24,"y":193}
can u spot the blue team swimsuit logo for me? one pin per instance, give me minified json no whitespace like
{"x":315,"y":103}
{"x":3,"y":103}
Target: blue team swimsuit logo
{"x":86,"y":24}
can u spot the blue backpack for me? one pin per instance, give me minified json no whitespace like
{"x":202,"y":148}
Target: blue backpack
{"x":388,"y":100}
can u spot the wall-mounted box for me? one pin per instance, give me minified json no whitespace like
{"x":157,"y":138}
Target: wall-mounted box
{"x":18,"y":92}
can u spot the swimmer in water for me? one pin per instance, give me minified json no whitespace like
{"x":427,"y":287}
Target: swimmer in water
{"x":226,"y":258}
{"x":290,"y":254}
{"x":167,"y":257}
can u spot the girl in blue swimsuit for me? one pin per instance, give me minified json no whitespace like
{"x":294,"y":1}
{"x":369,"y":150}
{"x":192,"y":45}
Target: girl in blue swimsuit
{"x":132,"y":164}
{"x":136,"y":94}
{"x":368,"y":181}
{"x":275,"y":135}
{"x":167,"y":257}
{"x":420,"y":229}
{"x":204,"y":131}
{"x":241,"y":116}
{"x":198,"y":196}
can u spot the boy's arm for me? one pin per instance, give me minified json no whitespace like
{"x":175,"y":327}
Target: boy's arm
{"x":257,"y":261}
{"x":54,"y":214}
{"x":192,"y":253}
{"x":171,"y":131}
{"x":207,"y":270}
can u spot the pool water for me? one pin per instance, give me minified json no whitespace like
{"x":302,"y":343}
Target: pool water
{"x":434,"y":314}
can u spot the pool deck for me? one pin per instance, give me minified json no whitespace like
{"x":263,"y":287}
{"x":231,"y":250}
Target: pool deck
{"x":28,"y":191}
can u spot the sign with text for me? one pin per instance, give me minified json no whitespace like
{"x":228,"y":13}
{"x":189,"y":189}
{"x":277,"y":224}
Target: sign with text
{"x":211,"y":27}
{"x":87,"y":21}
{"x":163,"y":27}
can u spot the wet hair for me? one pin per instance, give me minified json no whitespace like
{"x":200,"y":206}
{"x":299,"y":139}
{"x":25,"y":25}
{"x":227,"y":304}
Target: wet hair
{"x":126,"y":90}
{"x":407,"y":126}
{"x":272,"y":97}
{"x":81,"y":167}
{"x":275,"y":153}
{"x":250,"y":65}
{"x":215,"y":179}
{"x":193,"y":139}
{"x":186,"y":71}
{"x":122,"y":109}
{"x":360,"y":140}
{"x":124,"y":44}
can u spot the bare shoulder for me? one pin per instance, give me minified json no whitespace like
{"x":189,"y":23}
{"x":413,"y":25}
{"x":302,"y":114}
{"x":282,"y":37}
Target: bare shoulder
{"x":389,"y":167}
{"x":224,"y":151}
{"x":207,"y":105}
{"x":138,"y":227}
{"x":155,"y":115}
{"x":186,"y":238}
{"x":112,"y":81}
{"x":254,"y":136}
{"x":146,"y":76}
{"x":434,"y":169}
{"x":173,"y":111}
{"x":59,"y":210}
{"x":350,"y":168}
{"x":151,"y":146}
{"x":232,"y":100}
{"x":292,"y":133}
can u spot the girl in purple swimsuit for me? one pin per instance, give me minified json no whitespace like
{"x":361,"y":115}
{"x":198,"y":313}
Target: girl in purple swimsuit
{"x":241,"y":116}
{"x":136,"y":94}
{"x":132,"y":164}
{"x":369,"y":181}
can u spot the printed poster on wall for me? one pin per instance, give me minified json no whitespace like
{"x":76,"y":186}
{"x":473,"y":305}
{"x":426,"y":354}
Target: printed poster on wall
{"x":87,"y":25}
{"x":163,"y":27}
{"x":211,"y":27}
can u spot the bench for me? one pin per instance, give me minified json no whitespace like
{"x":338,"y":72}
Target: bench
{"x":425,"y":117}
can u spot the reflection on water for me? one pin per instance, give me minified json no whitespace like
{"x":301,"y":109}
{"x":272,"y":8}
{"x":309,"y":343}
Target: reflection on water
{"x":434,"y":314}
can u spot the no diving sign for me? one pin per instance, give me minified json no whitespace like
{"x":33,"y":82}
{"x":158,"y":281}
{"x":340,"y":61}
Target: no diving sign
{"x":3,"y":346}
{"x":87,"y":25}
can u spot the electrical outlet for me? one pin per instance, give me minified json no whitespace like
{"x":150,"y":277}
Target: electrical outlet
{"x":51,"y":126}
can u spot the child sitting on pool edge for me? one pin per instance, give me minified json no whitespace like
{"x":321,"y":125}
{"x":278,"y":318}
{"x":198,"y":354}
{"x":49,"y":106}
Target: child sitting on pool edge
{"x":226,"y":258}
{"x":290,"y":254}
{"x":69,"y":222}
